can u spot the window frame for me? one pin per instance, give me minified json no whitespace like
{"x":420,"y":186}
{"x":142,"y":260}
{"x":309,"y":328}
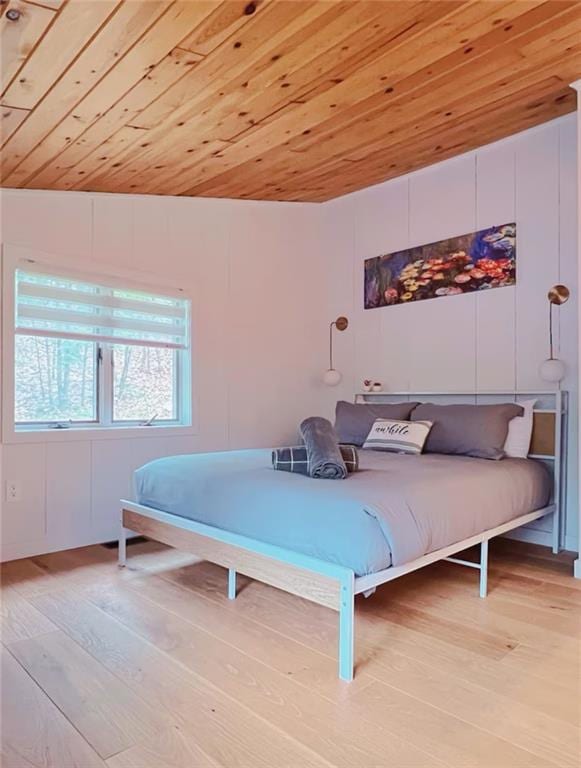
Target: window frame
{"x":14,"y":257}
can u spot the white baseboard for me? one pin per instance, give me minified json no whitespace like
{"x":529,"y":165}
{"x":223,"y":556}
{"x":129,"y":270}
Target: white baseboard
{"x":17,"y":551}
{"x":577,"y":568}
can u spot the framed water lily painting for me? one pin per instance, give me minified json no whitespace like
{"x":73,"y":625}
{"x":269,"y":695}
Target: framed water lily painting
{"x":478,"y":261}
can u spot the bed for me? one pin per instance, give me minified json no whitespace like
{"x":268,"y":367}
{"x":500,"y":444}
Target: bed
{"x":328,"y":541}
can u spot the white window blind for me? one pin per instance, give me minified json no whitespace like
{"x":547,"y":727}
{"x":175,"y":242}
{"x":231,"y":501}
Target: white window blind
{"x":61,"y":307}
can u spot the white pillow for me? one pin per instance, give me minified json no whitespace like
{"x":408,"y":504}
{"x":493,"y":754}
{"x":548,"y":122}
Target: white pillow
{"x":398,"y":436}
{"x":520,"y":430}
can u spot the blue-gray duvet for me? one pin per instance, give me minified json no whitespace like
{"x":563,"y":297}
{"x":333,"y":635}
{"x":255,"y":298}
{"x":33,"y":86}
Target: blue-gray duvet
{"x":395,"y":509}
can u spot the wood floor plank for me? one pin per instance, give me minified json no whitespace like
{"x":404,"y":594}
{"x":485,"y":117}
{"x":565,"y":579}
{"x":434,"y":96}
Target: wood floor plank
{"x":252,"y":682}
{"x":499,"y":616}
{"x":34,"y":733}
{"x":504,"y":546}
{"x":73,"y":567}
{"x":559,"y":597}
{"x":248,"y":679}
{"x":503,"y":715}
{"x":85,"y":565}
{"x":299,"y":616}
{"x":274,"y":696}
{"x":175,"y":748}
{"x":376,"y":631}
{"x":455,"y":741}
{"x":551,"y":665}
{"x":226,"y":731}
{"x":523,"y":565}
{"x":26,"y":577}
{"x":228,"y":623}
{"x":19,"y":619}
{"x":103,"y":709}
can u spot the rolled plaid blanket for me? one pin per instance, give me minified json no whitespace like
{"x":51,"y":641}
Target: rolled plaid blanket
{"x":294,"y":459}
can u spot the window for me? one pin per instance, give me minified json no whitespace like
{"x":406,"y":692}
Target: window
{"x":144,"y":383}
{"x":96,"y":355}
{"x":56,"y":379}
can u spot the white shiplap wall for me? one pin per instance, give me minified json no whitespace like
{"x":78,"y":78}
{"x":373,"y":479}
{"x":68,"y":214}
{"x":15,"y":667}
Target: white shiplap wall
{"x":253,"y":272}
{"x":494,"y":340}
{"x":267,"y":279}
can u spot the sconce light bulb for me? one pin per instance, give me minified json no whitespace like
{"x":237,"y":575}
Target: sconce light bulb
{"x":332,"y":377}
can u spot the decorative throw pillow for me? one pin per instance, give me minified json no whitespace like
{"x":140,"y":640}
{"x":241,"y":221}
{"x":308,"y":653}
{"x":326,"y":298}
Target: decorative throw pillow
{"x":520,"y":431}
{"x":467,"y":430}
{"x":398,"y":436}
{"x":354,"y":420}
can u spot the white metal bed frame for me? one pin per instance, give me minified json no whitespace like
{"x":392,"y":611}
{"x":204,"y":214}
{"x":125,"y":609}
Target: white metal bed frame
{"x":326,"y":583}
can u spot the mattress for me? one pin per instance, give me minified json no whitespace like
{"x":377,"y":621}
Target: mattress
{"x":394,"y":510}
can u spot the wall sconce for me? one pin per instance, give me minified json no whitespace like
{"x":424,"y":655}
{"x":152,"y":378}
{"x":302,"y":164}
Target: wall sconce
{"x":552,"y":369}
{"x":332,"y":377}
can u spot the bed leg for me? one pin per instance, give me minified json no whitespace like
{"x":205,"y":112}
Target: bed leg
{"x":483,"y":568}
{"x":346,"y":635}
{"x":231,"y":584}
{"x":122,"y":551}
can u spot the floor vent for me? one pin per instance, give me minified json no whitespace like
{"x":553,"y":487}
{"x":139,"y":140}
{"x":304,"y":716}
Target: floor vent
{"x":130,"y":542}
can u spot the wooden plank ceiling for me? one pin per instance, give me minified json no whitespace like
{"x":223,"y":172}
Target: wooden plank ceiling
{"x":270,"y":99}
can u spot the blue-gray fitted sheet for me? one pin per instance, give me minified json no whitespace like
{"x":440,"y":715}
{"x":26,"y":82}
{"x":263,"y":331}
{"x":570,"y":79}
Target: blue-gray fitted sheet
{"x":395,"y":509}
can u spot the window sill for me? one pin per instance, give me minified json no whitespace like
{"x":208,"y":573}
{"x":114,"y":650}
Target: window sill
{"x":80,"y":434}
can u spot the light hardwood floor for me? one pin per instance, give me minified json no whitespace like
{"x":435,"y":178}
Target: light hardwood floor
{"x":152,"y":667}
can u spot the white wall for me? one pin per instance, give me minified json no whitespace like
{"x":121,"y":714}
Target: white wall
{"x":259,"y":341}
{"x":487,"y":341}
{"x":267,"y":278}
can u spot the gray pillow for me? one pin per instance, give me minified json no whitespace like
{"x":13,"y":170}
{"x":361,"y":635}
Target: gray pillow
{"x":353,"y":421}
{"x":467,"y":430}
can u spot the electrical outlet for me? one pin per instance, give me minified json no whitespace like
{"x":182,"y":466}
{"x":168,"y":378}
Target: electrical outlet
{"x":12,"y":492}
